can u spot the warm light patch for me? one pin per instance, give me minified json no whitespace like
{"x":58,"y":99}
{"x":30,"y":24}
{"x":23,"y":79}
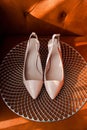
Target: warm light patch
{"x":43,"y":7}
{"x":80,"y":43}
{"x":38,"y":129}
{"x":12,"y":122}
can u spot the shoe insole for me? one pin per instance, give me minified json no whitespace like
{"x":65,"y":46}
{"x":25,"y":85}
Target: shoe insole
{"x":55,"y":71}
{"x":33,"y":68}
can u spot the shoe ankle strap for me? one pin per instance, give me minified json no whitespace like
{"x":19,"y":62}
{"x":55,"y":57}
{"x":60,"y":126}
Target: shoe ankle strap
{"x":58,"y":40}
{"x":55,"y":35}
{"x":33,"y":34}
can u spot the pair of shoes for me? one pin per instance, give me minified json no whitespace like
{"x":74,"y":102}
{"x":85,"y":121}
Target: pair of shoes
{"x":32,"y":71}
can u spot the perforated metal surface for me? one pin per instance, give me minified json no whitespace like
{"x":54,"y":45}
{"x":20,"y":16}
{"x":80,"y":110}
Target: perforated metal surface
{"x":70,"y":99}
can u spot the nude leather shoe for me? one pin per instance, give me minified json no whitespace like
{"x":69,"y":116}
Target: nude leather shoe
{"x":54,"y":73}
{"x":32,"y":70}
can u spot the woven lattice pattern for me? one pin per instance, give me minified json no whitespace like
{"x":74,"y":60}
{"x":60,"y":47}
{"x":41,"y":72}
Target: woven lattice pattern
{"x":70,"y":99}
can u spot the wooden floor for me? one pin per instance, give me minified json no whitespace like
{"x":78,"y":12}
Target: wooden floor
{"x":10,"y":121}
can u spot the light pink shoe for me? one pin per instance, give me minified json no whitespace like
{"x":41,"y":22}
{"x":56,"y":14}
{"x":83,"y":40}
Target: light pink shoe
{"x":32,"y":71}
{"x":54,"y":73}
